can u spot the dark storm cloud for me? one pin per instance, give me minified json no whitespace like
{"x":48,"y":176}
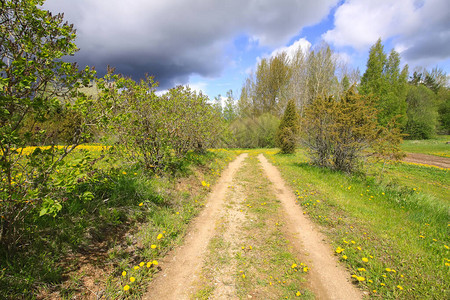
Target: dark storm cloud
{"x":173,"y":39}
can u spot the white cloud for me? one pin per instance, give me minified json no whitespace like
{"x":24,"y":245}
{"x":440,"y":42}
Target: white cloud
{"x":291,"y":50}
{"x":418,"y":29}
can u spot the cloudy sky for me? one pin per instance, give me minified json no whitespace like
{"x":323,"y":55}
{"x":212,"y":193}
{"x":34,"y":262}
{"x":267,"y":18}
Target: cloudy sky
{"x":212,"y":44}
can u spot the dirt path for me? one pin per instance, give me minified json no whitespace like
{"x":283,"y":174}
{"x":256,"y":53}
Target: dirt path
{"x":228,"y":250}
{"x":329,"y":280}
{"x":419,"y":158}
{"x":182,"y":265}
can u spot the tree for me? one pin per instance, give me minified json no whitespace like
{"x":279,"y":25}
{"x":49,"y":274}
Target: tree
{"x":34,"y":80}
{"x":287,"y":133}
{"x":422,"y":113}
{"x":387,"y":84}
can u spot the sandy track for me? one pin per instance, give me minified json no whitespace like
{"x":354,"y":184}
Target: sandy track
{"x":419,"y":158}
{"x":182,"y":266}
{"x":329,"y":280}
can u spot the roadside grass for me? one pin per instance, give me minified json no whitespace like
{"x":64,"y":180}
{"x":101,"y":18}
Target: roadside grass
{"x":263,"y":262}
{"x":437,"y":146}
{"x":392,"y":237}
{"x":84,"y":250}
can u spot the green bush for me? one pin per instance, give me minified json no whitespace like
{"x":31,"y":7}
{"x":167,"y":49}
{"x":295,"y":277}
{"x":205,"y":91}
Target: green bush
{"x":254,"y":132}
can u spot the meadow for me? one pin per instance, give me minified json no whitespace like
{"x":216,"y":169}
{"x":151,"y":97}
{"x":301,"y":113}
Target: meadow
{"x":390,"y":230}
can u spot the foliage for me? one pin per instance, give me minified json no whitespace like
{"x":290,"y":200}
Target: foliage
{"x":422,"y":113}
{"x":157,"y":131}
{"x":387,"y":84}
{"x":34,"y":81}
{"x":287,"y":133}
{"x":336,"y":132}
{"x":254,"y":132}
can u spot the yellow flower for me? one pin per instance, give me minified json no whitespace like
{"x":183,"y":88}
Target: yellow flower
{"x":365,"y":259}
{"x":361,"y":269}
{"x":400,"y":287}
{"x":294,"y":266}
{"x":141,"y":264}
{"x":388,"y":270}
{"x":359,"y":278}
{"x":124,"y":273}
{"x":298,"y":294}
{"x":305,"y":269}
{"x":243,"y":276}
{"x":374,"y":291}
{"x":159,"y":236}
{"x":136,"y":267}
{"x":140,"y":204}
{"x":339,"y":250}
{"x":359,"y":248}
{"x":126,"y":288}
{"x":132,"y":279}
{"x":149,"y":264}
{"x":155,"y":262}
{"x":344,"y":256}
{"x":382,"y":284}
{"x":153,"y":246}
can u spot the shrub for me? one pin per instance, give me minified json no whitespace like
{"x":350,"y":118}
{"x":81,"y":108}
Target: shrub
{"x":336,"y":132}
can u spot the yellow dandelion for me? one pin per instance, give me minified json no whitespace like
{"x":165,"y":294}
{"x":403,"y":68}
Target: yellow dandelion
{"x":132,"y":279}
{"x":359,"y":248}
{"x":155,"y":262}
{"x":243,"y":276}
{"x":149,"y":264}
{"x":141,"y":264}
{"x":153,"y":246}
{"x":136,"y":267}
{"x":294,"y":266}
{"x":140,"y":204}
{"x":344,"y":256}
{"x":400,"y":287}
{"x":160,"y":236}
{"x":298,"y":294}
{"x":382,"y":284}
{"x":339,"y":250}
{"x":374,"y":291}
{"x":359,"y":278}
{"x":124,"y":173}
{"x":305,"y":269}
{"x":126,"y":288}
{"x":365,"y":259}
{"x":446,"y":247}
{"x":124,"y":273}
{"x":388,"y":270}
{"x":361,"y":269}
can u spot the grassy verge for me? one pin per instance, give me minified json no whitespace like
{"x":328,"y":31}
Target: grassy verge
{"x":95,"y":246}
{"x":392,"y":237}
{"x":437,"y":146}
{"x":261,"y":259}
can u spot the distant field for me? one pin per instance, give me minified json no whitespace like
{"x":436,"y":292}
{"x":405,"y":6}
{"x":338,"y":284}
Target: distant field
{"x":437,"y":146}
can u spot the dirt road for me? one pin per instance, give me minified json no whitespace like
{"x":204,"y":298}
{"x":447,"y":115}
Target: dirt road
{"x":419,"y":158}
{"x":245,"y":241}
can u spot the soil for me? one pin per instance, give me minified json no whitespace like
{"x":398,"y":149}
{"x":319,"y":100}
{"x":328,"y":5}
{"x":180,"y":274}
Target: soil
{"x":419,"y":158}
{"x":181,"y":269}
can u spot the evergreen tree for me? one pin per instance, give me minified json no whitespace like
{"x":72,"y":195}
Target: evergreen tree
{"x":384,"y":80}
{"x":289,"y":128}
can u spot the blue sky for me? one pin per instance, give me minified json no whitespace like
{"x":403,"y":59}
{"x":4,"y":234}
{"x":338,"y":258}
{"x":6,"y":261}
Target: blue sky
{"x":211,"y":45}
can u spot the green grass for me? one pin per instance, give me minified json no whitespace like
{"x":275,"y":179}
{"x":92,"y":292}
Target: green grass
{"x":437,"y":146}
{"x":111,"y":232}
{"x":395,"y":225}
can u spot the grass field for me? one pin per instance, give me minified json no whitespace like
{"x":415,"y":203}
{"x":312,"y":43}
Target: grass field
{"x":393,"y":234}
{"x":437,"y":146}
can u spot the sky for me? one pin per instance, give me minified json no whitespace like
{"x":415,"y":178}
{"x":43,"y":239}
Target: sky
{"x":211,"y":45}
